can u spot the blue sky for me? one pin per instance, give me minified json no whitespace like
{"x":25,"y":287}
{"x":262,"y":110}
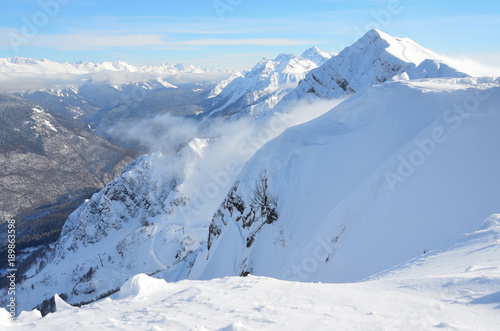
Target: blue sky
{"x":235,"y":34}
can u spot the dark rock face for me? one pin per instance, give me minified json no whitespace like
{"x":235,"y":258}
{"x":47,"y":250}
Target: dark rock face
{"x":49,"y":165}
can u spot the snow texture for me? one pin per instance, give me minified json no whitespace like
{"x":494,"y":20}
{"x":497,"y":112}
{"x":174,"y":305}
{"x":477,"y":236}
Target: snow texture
{"x":454,"y":288}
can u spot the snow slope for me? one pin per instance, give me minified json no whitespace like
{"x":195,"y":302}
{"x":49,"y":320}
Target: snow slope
{"x":388,"y":174}
{"x":374,"y":59}
{"x":260,"y":89}
{"x":455,"y":288}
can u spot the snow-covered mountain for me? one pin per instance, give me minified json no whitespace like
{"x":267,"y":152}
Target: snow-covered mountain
{"x":374,"y":59}
{"x":317,"y":55}
{"x":388,"y":175}
{"x":107,"y":94}
{"x":153,"y":219}
{"x":260,"y":89}
{"x":130,"y":226}
{"x":391,"y":173}
{"x":348,"y":186}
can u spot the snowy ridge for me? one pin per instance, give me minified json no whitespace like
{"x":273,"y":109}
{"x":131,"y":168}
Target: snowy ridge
{"x":352,"y":185}
{"x":261,"y":88}
{"x":374,"y":59}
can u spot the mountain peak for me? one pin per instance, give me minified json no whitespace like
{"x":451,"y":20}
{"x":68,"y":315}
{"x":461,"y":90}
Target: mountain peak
{"x":283,"y":57}
{"x":261,"y":88}
{"x":21,"y":60}
{"x":372,"y":38}
{"x":378,"y":36}
{"x":373,"y":59}
{"x":377,"y":33}
{"x":313,"y":49}
{"x":316,"y":55}
{"x":404,"y":49}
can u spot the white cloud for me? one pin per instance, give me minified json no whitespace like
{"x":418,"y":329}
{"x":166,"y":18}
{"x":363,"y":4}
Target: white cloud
{"x":239,"y":42}
{"x":472,"y":66}
{"x":84,"y":42}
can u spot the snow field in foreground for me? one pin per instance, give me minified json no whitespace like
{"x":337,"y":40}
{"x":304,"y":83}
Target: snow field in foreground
{"x":456,"y":288}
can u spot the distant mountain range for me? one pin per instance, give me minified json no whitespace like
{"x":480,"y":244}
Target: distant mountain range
{"x":22,"y":65}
